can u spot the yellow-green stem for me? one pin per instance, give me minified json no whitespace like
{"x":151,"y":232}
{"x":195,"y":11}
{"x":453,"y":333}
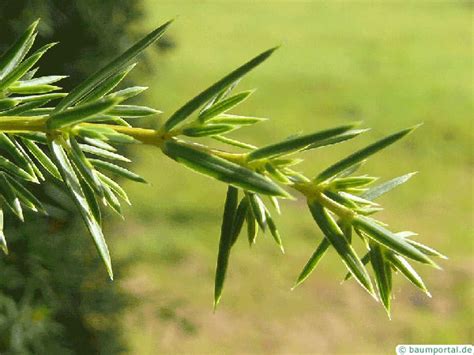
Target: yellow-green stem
{"x":18,"y":124}
{"x":316,"y":193}
{"x":12,"y":124}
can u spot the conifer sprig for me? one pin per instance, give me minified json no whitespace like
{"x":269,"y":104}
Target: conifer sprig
{"x":74,"y":142}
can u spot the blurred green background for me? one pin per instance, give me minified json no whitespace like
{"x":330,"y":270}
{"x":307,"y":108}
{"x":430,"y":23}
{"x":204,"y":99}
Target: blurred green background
{"x":391,"y":64}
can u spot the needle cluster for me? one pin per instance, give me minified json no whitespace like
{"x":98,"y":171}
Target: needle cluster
{"x":73,"y":137}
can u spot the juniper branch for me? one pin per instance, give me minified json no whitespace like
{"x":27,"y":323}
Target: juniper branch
{"x":74,"y":141}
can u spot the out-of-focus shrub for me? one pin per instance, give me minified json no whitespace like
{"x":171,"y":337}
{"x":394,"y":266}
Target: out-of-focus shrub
{"x":54,"y":294}
{"x":90,"y":32}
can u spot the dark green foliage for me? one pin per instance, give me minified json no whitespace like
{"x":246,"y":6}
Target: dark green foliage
{"x":80,"y":28}
{"x":54,"y":298}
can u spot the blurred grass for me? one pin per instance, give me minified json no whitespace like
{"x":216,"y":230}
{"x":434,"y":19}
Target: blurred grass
{"x":391,"y":64}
